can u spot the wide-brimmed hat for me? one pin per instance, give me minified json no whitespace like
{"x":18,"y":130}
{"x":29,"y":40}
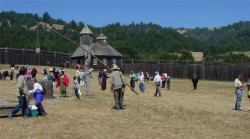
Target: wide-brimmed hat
{"x":50,"y":69}
{"x":104,"y":70}
{"x":115,"y":67}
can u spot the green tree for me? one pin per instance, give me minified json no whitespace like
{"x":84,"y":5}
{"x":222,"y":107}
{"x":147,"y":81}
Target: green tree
{"x":47,"y":18}
{"x":186,"y":55}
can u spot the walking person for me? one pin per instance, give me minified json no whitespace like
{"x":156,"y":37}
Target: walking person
{"x":141,"y":82}
{"x":37,"y":93}
{"x":238,"y":91}
{"x":76,"y":87}
{"x":157,"y":81}
{"x":33,"y":72}
{"x":117,"y":84}
{"x":22,"y":94}
{"x":63,"y":82}
{"x":104,"y":79}
{"x":195,"y":80}
{"x":132,"y":77}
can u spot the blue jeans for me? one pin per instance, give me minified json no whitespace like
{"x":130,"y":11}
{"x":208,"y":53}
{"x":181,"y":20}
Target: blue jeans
{"x":238,"y":93}
{"x":100,"y":80}
{"x":132,"y":83}
{"x":76,"y":93}
{"x":142,"y":87}
{"x":22,"y":105}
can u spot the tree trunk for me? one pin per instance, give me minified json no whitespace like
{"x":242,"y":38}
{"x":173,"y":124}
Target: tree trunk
{"x":87,"y":73}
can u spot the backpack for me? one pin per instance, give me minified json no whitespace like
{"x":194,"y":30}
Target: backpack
{"x":44,"y":90}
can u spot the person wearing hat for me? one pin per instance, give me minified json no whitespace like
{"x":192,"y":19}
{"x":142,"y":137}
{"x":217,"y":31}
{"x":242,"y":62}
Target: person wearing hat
{"x":157,"y":81}
{"x":117,"y":84}
{"x":104,"y":79}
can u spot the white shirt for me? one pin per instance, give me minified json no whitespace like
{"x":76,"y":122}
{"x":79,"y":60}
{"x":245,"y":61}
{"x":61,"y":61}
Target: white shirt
{"x":37,"y":87}
{"x":157,"y":78}
{"x":141,"y":79}
{"x":237,"y":82}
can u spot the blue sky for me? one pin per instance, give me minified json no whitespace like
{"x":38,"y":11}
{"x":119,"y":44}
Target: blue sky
{"x":174,"y":13}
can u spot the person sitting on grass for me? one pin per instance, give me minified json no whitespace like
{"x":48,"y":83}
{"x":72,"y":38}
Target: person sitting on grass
{"x":76,"y":87}
{"x":37,"y":93}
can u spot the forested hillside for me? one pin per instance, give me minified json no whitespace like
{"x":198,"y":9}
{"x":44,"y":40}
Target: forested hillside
{"x":235,"y":37}
{"x":138,"y":41}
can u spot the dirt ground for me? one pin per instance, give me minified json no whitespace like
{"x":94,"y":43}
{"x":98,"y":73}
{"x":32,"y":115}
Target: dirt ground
{"x":179,"y":113}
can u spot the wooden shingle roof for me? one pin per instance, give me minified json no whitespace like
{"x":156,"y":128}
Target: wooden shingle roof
{"x":97,"y":50}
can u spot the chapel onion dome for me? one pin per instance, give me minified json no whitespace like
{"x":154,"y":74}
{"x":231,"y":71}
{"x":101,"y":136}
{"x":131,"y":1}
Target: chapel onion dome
{"x":102,"y":40}
{"x":86,"y":30}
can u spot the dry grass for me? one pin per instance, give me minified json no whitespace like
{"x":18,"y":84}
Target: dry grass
{"x":180,"y":113}
{"x":198,"y":56}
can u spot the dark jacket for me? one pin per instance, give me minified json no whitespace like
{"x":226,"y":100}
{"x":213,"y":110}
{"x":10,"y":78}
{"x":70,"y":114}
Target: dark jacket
{"x":195,"y":79}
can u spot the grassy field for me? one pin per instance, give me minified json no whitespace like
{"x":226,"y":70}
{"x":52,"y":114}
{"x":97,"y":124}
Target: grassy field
{"x":179,"y":113}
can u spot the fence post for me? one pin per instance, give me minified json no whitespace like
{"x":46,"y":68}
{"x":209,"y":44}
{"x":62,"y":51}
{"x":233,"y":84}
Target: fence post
{"x":132,"y":63}
{"x":159,"y":66}
{"x":172,"y":67}
{"x":69,"y":60}
{"x":203,"y":69}
{"x":23,"y":53}
{"x":55,"y":58}
{"x":6,"y":55}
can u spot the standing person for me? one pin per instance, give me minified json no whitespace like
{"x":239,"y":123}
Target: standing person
{"x":238,"y":91}
{"x":157,"y":82}
{"x":168,"y":82}
{"x":22,"y":93}
{"x":78,"y":75}
{"x":195,"y":80}
{"x":34,"y":72}
{"x":81,"y":76}
{"x":12,"y":65}
{"x":55,"y":72}
{"x":117,"y":84}
{"x":28,"y":74}
{"x":147,"y":77}
{"x":51,"y":76}
{"x":17,"y":72}
{"x":63,"y":82}
{"x":45,"y":73}
{"x":248,"y":86}
{"x":132,"y":77}
{"x":141,"y":82}
{"x":99,"y":75}
{"x":76,"y":87}
{"x":12,"y":74}
{"x":163,"y":80}
{"x":104,"y":79}
{"x":37,"y":93}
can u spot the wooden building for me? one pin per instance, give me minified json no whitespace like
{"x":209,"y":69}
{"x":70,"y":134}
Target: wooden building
{"x":101,"y":49}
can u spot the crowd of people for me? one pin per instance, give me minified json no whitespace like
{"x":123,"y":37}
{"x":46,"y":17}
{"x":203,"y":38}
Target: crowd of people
{"x":117,"y":84}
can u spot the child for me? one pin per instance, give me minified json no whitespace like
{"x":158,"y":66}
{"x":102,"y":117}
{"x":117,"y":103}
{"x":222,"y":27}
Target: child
{"x":37,"y":93}
{"x":76,"y":87}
